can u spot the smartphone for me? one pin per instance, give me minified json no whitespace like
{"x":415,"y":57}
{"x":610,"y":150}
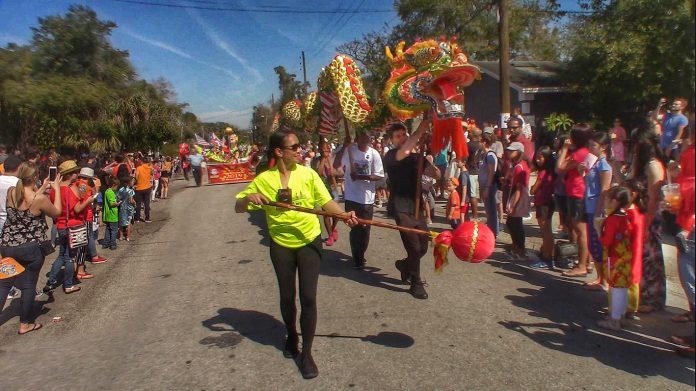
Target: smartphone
{"x":284,"y":195}
{"x":132,"y":171}
{"x":52,"y":173}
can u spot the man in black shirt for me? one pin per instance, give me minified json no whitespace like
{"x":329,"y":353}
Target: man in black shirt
{"x":401,"y":165}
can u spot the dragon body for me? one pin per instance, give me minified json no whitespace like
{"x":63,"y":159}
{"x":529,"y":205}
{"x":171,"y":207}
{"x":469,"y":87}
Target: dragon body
{"x":428,"y":75}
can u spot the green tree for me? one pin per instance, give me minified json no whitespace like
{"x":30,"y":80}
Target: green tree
{"x":474,"y":22}
{"x":261,"y":122}
{"x":70,"y":87}
{"x":77,"y":44}
{"x":626,"y":54}
{"x":289,"y":87}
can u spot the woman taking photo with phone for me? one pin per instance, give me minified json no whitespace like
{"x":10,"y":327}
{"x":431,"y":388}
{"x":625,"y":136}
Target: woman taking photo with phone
{"x":295,"y":245}
{"x":23,"y":237}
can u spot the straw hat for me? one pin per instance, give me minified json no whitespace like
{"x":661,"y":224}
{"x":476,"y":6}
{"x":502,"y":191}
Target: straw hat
{"x":67,"y":167}
{"x":86,"y":172}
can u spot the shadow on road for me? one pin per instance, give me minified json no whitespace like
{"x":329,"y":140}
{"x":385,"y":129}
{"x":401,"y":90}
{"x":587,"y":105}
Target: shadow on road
{"x":256,"y":326}
{"x":389,"y":339}
{"x":258,"y":219}
{"x":335,"y":264}
{"x":567,"y":324}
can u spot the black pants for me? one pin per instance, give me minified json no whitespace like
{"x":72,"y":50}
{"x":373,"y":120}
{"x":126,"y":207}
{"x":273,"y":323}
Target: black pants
{"x":28,"y":255}
{"x":360,"y":234}
{"x":416,"y":245}
{"x":516,"y":229}
{"x":197,"y":174}
{"x":142,"y":197}
{"x":304,"y":260}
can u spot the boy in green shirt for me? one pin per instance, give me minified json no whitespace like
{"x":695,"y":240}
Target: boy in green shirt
{"x":110,"y":215}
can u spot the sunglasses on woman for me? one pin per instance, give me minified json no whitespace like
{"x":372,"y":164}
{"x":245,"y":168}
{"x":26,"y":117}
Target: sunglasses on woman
{"x":293,"y":147}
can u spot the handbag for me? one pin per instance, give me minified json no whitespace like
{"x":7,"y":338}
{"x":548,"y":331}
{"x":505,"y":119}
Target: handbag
{"x":77,"y":235}
{"x":47,"y":247}
{"x":9,"y":267}
{"x":565,"y":250}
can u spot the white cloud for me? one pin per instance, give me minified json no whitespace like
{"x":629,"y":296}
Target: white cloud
{"x":224,"y":46}
{"x":177,"y":51}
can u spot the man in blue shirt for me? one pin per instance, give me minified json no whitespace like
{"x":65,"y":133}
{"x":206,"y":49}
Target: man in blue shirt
{"x":196,"y":159}
{"x":673,"y":125}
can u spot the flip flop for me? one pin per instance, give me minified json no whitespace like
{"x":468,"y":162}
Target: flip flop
{"x":574,"y":274}
{"x":593,"y":287}
{"x":682,"y":318}
{"x":37,"y":326}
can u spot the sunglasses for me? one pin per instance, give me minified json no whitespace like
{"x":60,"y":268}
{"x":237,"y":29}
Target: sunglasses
{"x":293,"y":147}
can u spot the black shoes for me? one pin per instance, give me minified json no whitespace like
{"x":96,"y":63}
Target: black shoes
{"x":417,"y":290}
{"x":402,"y":267}
{"x":360,"y":265}
{"x":50,"y":287}
{"x":291,"y":349}
{"x":308,"y":367}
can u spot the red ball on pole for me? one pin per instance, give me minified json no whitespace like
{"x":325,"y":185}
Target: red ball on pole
{"x":473,"y":242}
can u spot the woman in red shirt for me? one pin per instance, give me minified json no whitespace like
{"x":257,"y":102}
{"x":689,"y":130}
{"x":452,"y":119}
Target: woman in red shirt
{"x":573,"y":153}
{"x":71,"y":216}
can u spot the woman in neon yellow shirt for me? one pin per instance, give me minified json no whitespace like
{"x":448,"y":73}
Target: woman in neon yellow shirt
{"x":295,"y":236}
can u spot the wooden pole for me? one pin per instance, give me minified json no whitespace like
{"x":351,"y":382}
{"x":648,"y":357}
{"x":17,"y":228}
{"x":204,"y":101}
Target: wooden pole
{"x":349,"y":147}
{"x":343,"y":217}
{"x":504,"y":40}
{"x":419,"y":173}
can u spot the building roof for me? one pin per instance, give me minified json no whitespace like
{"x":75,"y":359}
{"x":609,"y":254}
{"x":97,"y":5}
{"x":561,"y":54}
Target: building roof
{"x":528,"y":76}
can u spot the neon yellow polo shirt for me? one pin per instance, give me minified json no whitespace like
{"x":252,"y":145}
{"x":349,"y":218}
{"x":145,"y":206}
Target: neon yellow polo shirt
{"x":289,"y":228}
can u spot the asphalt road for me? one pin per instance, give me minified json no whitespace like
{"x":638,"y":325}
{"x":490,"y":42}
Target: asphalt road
{"x":191,"y":304}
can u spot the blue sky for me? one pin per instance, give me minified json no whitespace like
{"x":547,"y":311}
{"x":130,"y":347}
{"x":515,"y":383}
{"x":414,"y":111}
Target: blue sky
{"x":219,"y":62}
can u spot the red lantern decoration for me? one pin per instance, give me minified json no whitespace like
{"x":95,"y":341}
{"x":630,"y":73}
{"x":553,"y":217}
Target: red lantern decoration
{"x":473,"y":242}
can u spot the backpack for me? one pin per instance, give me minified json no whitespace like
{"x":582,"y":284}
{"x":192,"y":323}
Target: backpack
{"x":498,"y":175}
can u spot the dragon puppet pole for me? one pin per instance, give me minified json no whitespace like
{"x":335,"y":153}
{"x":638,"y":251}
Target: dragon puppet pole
{"x":361,"y":221}
{"x":349,"y":147}
{"x":419,"y":172}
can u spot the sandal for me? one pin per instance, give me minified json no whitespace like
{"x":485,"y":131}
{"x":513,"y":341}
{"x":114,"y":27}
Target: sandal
{"x":37,"y":326}
{"x":574,"y":273}
{"x":594,"y":287}
{"x":646,"y":309}
{"x":683,"y":318}
{"x":72,"y":289}
{"x":84,"y":276}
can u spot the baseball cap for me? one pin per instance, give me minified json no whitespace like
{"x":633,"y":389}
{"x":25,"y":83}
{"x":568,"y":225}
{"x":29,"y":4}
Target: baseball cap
{"x":516,"y":146}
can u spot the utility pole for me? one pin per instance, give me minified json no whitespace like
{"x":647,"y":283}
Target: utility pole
{"x":304,"y":70}
{"x":504,"y":42}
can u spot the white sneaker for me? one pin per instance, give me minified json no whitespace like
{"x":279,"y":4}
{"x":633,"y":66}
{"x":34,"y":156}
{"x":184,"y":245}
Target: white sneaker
{"x":14,"y":293}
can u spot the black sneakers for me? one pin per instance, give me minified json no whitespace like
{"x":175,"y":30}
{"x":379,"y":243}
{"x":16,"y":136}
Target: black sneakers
{"x":291,"y":349}
{"x":308,"y":367}
{"x":402,"y":267}
{"x":417,"y":290}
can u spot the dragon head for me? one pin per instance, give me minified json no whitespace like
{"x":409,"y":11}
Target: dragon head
{"x":429,"y":74}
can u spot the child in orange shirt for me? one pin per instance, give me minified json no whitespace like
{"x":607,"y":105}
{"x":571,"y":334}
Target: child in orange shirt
{"x":454,"y":210}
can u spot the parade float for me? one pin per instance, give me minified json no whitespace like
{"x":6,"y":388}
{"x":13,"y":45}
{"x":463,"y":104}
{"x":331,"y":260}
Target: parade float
{"x":226,"y":161}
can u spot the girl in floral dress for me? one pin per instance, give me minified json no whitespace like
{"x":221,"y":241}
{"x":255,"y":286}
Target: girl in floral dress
{"x":620,"y":242}
{"x":126,"y":207}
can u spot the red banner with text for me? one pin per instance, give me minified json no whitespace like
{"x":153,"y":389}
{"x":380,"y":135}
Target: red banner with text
{"x":229,"y":173}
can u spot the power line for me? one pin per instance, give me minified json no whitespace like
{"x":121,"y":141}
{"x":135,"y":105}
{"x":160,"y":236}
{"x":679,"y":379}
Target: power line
{"x":257,"y":9}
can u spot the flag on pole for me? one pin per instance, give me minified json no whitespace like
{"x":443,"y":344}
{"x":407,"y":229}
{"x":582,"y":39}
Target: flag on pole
{"x":201,"y":141}
{"x":215,"y":140}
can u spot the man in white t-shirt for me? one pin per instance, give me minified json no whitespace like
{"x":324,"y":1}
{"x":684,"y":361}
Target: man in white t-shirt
{"x":362,"y":167}
{"x":7,"y":180}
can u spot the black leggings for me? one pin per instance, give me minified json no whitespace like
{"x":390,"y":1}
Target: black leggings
{"x":516,"y":229}
{"x":28,"y":255}
{"x":306,"y":261}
